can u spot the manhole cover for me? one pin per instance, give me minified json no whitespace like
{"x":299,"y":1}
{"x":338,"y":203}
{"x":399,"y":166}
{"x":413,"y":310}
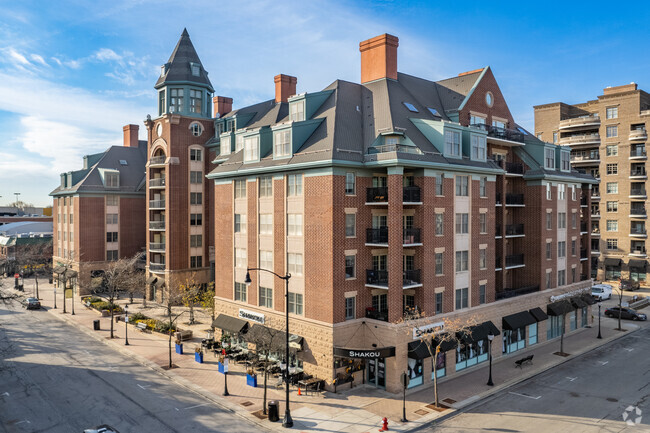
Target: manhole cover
{"x":613,"y":400}
{"x":246,"y":403}
{"x":449,"y":400}
{"x":421,"y":412}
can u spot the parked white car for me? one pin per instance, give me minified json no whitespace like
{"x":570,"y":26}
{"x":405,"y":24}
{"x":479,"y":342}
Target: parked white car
{"x":601,"y":291}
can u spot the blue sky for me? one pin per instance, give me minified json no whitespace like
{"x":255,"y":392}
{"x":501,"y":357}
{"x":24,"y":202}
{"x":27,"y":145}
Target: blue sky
{"x":73,"y":72}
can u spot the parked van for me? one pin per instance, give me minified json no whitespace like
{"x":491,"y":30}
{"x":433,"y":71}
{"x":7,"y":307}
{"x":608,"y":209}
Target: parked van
{"x":601,"y":291}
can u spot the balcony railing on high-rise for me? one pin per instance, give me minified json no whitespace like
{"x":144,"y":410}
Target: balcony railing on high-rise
{"x":511,"y":293}
{"x":411,"y":194}
{"x":411,"y":277}
{"x":158,"y":246}
{"x":156,"y":204}
{"x":514,"y":199}
{"x":583,"y":227}
{"x":514,"y":260}
{"x":411,"y":236}
{"x":157,"y":225}
{"x":376,"y":277}
{"x":638,"y":230}
{"x":153,"y":266}
{"x":501,"y":133}
{"x":637,"y":210}
{"x":583,"y":253}
{"x":377,"y":235}
{"x":371,"y":313}
{"x":377,"y":194}
{"x":157,"y":160}
{"x":640,"y":171}
{"x":637,"y":152}
{"x":637,"y":191}
{"x":159,"y":181}
{"x":584,"y":200}
{"x":514,"y":230}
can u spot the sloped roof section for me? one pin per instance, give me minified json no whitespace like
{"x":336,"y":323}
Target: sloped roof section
{"x":178,"y":66}
{"x":453,"y":91}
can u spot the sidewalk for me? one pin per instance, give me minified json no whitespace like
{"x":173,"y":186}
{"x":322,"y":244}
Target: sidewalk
{"x":355,"y":410}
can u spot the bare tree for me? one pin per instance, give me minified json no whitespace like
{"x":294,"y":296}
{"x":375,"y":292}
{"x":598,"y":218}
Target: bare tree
{"x":190,"y":295}
{"x":266,"y":340}
{"x":119,"y":275}
{"x":65,"y":274}
{"x":619,"y":294}
{"x":433,"y":333}
{"x":173,"y":298}
{"x":36,"y":259}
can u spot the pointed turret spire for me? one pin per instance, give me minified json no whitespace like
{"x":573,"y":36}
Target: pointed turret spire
{"x":184,"y":65}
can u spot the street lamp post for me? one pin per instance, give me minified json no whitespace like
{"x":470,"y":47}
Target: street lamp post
{"x":490,"y":338}
{"x":72,"y":298}
{"x":599,"y":336}
{"x":126,"y":325}
{"x":225,"y":377}
{"x":55,"y":297}
{"x":287,"y":422}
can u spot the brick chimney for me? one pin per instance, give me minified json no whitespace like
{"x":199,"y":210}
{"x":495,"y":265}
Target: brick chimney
{"x":285,"y":86}
{"x":222,"y":105}
{"x":131,"y":135}
{"x":379,"y":58}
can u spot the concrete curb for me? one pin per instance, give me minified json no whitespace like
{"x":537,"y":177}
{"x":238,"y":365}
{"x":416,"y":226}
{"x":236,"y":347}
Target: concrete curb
{"x":233,"y":408}
{"x":473,"y":401}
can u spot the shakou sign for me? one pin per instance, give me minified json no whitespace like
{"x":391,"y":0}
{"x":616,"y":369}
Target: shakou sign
{"x":380,"y":352}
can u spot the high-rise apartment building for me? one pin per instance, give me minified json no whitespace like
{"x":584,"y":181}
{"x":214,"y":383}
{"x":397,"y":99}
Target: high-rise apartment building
{"x":98,"y":212}
{"x":395,"y":193}
{"x":179,"y":210}
{"x":607,"y":137}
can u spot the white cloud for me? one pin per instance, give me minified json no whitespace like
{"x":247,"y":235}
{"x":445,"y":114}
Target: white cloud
{"x":39,"y":59}
{"x":106,"y":54}
{"x":17,"y":57}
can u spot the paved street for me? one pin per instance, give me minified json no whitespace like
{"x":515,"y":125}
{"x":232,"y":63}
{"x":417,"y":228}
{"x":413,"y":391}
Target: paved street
{"x":587,"y":394}
{"x":57,"y":379}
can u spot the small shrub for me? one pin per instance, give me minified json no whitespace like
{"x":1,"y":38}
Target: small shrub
{"x":92,"y":299}
{"x":137,"y":317}
{"x":103,"y":305}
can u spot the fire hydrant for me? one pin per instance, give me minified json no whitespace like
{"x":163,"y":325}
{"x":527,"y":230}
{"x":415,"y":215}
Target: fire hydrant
{"x":384,"y":422}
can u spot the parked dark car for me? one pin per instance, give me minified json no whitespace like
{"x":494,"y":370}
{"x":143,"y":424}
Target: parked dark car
{"x":626,"y":313}
{"x":33,"y":304}
{"x":630,"y":285}
{"x":104,"y":428}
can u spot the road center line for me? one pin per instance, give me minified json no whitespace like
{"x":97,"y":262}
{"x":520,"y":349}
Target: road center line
{"x":603,"y":362}
{"x":572,"y":378}
{"x":198,"y":405}
{"x":527,"y":396}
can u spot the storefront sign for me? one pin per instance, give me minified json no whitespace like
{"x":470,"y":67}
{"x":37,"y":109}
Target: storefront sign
{"x":380,"y":352}
{"x":251,"y":315}
{"x":431,"y":328}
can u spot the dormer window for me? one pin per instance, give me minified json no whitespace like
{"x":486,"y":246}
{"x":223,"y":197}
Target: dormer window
{"x":230,"y":125}
{"x":549,"y":159}
{"x":196,"y":69}
{"x":239,"y":143}
{"x":565,"y":161}
{"x":111,"y":178}
{"x":452,"y":143}
{"x":176,"y":100}
{"x":391,"y":140}
{"x":161,"y":103}
{"x":251,"y":149}
{"x":282,"y":143}
{"x":196,"y":128}
{"x":297,"y":111}
{"x":225,"y":145}
{"x":220,"y":128}
{"x":479,"y":147}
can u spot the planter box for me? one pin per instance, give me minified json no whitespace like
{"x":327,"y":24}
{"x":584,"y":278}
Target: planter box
{"x":179,"y":349}
{"x":220,"y":366}
{"x":251,"y":380}
{"x":198,"y":357}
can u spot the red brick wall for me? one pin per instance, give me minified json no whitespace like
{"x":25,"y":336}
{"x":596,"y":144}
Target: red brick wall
{"x":90,"y":224}
{"x":279,"y":239}
{"x":476,"y":102}
{"x":132,"y":237}
{"x":223,"y":240}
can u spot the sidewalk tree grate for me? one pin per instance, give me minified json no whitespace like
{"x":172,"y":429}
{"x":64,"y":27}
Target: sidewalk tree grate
{"x":421,"y":412}
{"x":246,"y":403}
{"x":259,"y":414}
{"x":449,"y":400}
{"x":440,"y":408}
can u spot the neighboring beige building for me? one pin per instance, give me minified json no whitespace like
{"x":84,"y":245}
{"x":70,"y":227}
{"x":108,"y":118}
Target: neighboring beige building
{"x":607,"y":137}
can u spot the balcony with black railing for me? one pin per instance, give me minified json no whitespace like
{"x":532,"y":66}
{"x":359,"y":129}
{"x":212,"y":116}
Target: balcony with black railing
{"x":583,"y":228}
{"x":377,"y":236}
{"x":638,"y":173}
{"x":377,"y":278}
{"x":377,"y":194}
{"x":156,"y":204}
{"x":638,"y":192}
{"x":638,"y":152}
{"x":156,"y":225}
{"x":497,"y":262}
{"x":583,"y":254}
{"x":412,"y":236}
{"x":513,"y":230}
{"x":501,"y":133}
{"x":372,"y":313}
{"x":638,"y":250}
{"x":514,"y":200}
{"x":514,"y":261}
{"x":411,"y":278}
{"x":411,"y":194}
{"x":638,"y":212}
{"x":511,"y":293}
{"x":638,"y":230}
{"x":156,"y":267}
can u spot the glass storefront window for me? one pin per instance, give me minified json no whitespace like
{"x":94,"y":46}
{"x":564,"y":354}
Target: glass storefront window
{"x":532,"y":334}
{"x":637,"y":274}
{"x":573,"y":320}
{"x":471,"y":354}
{"x":612,"y":272}
{"x":514,"y":340}
{"x":415,"y":372}
{"x":584,"y":317}
{"x":554,"y":327}
{"x":441,"y":365}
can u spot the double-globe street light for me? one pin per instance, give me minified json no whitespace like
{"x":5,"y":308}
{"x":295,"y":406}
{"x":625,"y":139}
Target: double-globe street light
{"x":599,"y":336}
{"x":126,"y":325}
{"x":287,"y":421}
{"x":490,"y":338}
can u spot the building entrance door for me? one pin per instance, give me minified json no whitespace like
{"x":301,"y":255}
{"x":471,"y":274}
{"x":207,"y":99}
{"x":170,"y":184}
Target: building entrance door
{"x":377,"y":372}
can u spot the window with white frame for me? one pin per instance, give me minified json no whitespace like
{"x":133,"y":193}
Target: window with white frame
{"x":482,"y":187}
{"x":573,"y":193}
{"x":350,"y":266}
{"x":350,"y":308}
{"x":266,"y":186}
{"x":439,"y":183}
{"x":452,"y":143}
{"x":440,"y":224}
{"x":549,"y":251}
{"x":612,"y":131}
{"x":462,"y":186}
{"x":549,"y":159}
{"x":350,"y":225}
{"x":196,"y":219}
{"x":439,"y":261}
{"x":612,"y":225}
{"x":462,"y":261}
{"x":561,"y":249}
{"x":240,"y":223}
{"x":350,"y":183}
{"x":265,"y":297}
{"x":476,"y":120}
{"x":573,"y":247}
{"x":196,"y":129}
{"x":240,"y":257}
{"x":478,"y":147}
{"x":549,"y":221}
{"x":282,"y":143}
{"x":251,"y":148}
{"x":266,"y":259}
{"x":612,"y":206}
{"x":196,"y":241}
{"x":239,"y":142}
{"x":561,"y":191}
{"x":548,"y":191}
{"x":565,"y":161}
{"x":612,"y":150}
{"x":612,"y":187}
{"x":482,"y":297}
{"x":196,"y":98}
{"x":482,"y":258}
{"x":196,"y":177}
{"x":111,"y":179}
{"x":294,"y":185}
{"x":295,"y":303}
{"x":196,"y":155}
{"x":462,"y":223}
{"x":561,"y":220}
{"x":196,"y":261}
{"x":611,"y":112}
{"x":574,"y":220}
{"x":196,"y":198}
{"x":462,"y":298}
{"x":482,"y":223}
{"x":555,"y":137}
{"x":297,"y":111}
{"x":295,"y":263}
{"x":561,"y":277}
{"x":612,"y":169}
{"x":111,"y":218}
{"x":240,"y":292}
{"x":266,"y":224}
{"x":224,"y":145}
{"x":176,"y":100}
{"x":612,"y":244}
{"x":294,"y":224}
{"x":240,"y":188}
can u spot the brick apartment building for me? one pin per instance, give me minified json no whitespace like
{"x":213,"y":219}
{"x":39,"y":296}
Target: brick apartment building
{"x":98,"y":212}
{"x":396,"y":192}
{"x":607,"y":138}
{"x":178,"y":214}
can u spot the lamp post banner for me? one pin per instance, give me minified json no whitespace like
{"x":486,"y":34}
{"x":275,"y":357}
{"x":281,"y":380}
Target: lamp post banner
{"x":380,"y":352}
